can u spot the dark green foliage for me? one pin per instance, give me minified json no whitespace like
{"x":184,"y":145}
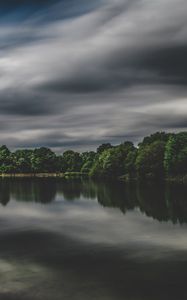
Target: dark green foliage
{"x":6,"y":161}
{"x":113,"y":162}
{"x":88,"y":159}
{"x":103,"y":147}
{"x":150,"y":160}
{"x":130,"y":168}
{"x":72,"y":161}
{"x":43,"y":160}
{"x":175,"y":160}
{"x":158,"y":136}
{"x":22,"y":161}
{"x":158,"y":156}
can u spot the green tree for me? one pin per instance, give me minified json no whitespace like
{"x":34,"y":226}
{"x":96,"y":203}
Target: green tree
{"x":22,"y":161}
{"x":150,"y":160}
{"x":72,"y":161}
{"x":6,"y":162}
{"x":43,"y":160}
{"x":88,"y":159}
{"x":112,"y":162}
{"x":157,"y":136}
{"x":104,"y":147}
{"x":175,"y":159}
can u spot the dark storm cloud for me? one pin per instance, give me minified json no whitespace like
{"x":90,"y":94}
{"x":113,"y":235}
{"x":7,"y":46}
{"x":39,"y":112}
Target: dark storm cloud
{"x":84,"y":83}
{"x":167,"y":120}
{"x":23,"y":109}
{"x":167,"y":62}
{"x":153,"y":56}
{"x":77,"y":73}
{"x":20,"y":104}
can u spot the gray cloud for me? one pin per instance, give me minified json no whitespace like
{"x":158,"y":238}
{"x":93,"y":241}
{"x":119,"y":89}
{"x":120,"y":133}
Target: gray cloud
{"x":16,"y":103}
{"x":104,"y":72}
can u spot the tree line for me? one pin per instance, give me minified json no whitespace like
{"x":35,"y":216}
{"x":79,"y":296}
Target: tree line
{"x":158,"y":156}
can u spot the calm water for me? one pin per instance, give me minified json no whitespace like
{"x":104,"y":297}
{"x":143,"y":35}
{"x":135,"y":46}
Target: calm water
{"x":81,"y":240}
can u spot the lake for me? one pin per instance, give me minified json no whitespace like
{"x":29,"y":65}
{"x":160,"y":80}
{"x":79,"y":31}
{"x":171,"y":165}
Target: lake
{"x":85,"y":240}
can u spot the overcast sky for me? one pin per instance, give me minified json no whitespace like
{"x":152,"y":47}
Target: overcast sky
{"x":77,"y":73}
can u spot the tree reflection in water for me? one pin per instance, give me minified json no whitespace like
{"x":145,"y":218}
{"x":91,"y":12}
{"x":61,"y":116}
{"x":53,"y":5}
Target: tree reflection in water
{"x":161,"y":202}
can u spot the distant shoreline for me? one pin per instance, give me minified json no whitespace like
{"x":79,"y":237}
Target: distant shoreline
{"x":65,"y":175}
{"x":78,"y":175}
{"x":32,"y":175}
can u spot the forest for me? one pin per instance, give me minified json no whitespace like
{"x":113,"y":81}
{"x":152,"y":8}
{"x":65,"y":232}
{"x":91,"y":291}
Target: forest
{"x":159,"y":156}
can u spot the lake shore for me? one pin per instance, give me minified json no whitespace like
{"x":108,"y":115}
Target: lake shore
{"x":32,"y":175}
{"x":65,"y":175}
{"x":78,"y":175}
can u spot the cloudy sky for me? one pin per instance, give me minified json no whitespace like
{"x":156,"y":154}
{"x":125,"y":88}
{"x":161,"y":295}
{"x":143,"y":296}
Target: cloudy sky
{"x":77,"y":73}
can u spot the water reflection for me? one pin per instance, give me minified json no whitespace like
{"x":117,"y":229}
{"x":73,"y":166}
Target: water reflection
{"x":91,"y":241}
{"x":161,"y":202}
